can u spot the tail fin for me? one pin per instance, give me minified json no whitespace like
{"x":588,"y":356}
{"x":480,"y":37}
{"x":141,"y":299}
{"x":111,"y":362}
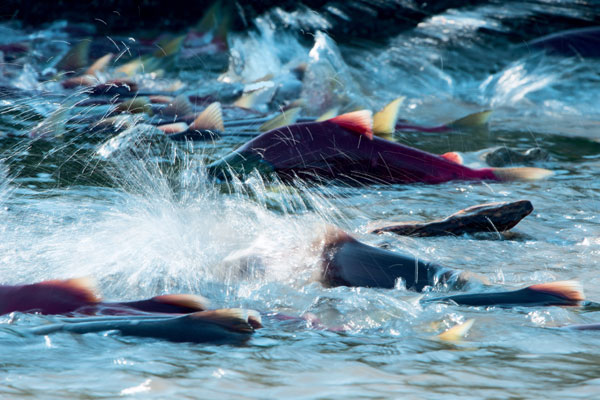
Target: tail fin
{"x":286,"y":118}
{"x":384,"y":122}
{"x":235,"y":319}
{"x":210,"y":119}
{"x":521,"y":173}
{"x":457,"y":332}
{"x":472,"y":120}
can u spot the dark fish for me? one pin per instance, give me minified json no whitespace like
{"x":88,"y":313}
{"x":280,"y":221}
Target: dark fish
{"x":490,"y":217}
{"x":561,"y":293}
{"x":215,"y":326}
{"x":348,"y":262}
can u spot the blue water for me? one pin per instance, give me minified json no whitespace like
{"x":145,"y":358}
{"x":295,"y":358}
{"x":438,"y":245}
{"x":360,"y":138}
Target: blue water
{"x":156,"y":224}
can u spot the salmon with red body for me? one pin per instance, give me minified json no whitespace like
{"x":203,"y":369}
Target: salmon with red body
{"x":344,"y":149}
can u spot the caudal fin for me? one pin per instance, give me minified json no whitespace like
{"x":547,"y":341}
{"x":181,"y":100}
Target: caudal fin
{"x":474,"y":120}
{"x":286,"y":118}
{"x":457,"y":332}
{"x":384,"y":121}
{"x":521,"y":173}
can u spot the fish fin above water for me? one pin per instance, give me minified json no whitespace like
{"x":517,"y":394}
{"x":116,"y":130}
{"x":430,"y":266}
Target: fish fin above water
{"x":99,"y":64}
{"x":136,"y":105}
{"x":84,"y":288}
{"x":384,"y":121}
{"x":286,"y":118}
{"x":453,"y":156}
{"x":329,"y":114}
{"x":54,"y":124}
{"x":235,"y":319}
{"x":77,"y":57}
{"x":472,"y":120}
{"x":210,"y":119}
{"x":570,"y":290}
{"x":357,"y":121}
{"x":247,"y":100}
{"x":176,"y":127}
{"x":180,"y":105}
{"x":169,"y":48}
{"x":334,"y":236}
{"x":521,"y":173}
{"x":161,"y":99}
{"x":130,"y":68}
{"x":190,"y":301}
{"x":457,"y":332}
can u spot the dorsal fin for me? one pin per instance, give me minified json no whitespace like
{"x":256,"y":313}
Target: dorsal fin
{"x":457,"y":332}
{"x":284,"y":119}
{"x":210,"y":119}
{"x":329,"y":114}
{"x":334,"y":236}
{"x":179,"y":106}
{"x":210,"y":19}
{"x":99,"y":64}
{"x":176,"y":127}
{"x":84,"y":288}
{"x":169,"y":48}
{"x":135,"y":106}
{"x":246,"y":100}
{"x":130,"y":68}
{"x":264,"y":78}
{"x":77,"y":57}
{"x":472,"y":120}
{"x":235,"y":319}
{"x":570,"y":290}
{"x":384,"y":122}
{"x":161,"y":99}
{"x":193,"y":302}
{"x":54,"y":124}
{"x":453,"y":156}
{"x":357,"y":121}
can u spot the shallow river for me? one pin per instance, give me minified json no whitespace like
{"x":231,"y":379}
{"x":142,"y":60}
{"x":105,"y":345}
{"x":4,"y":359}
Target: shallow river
{"x":152,"y":226}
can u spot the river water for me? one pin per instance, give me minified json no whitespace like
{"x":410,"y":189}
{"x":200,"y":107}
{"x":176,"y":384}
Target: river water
{"x":153,"y":225}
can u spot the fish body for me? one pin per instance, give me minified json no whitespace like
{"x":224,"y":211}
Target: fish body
{"x":330,"y":150}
